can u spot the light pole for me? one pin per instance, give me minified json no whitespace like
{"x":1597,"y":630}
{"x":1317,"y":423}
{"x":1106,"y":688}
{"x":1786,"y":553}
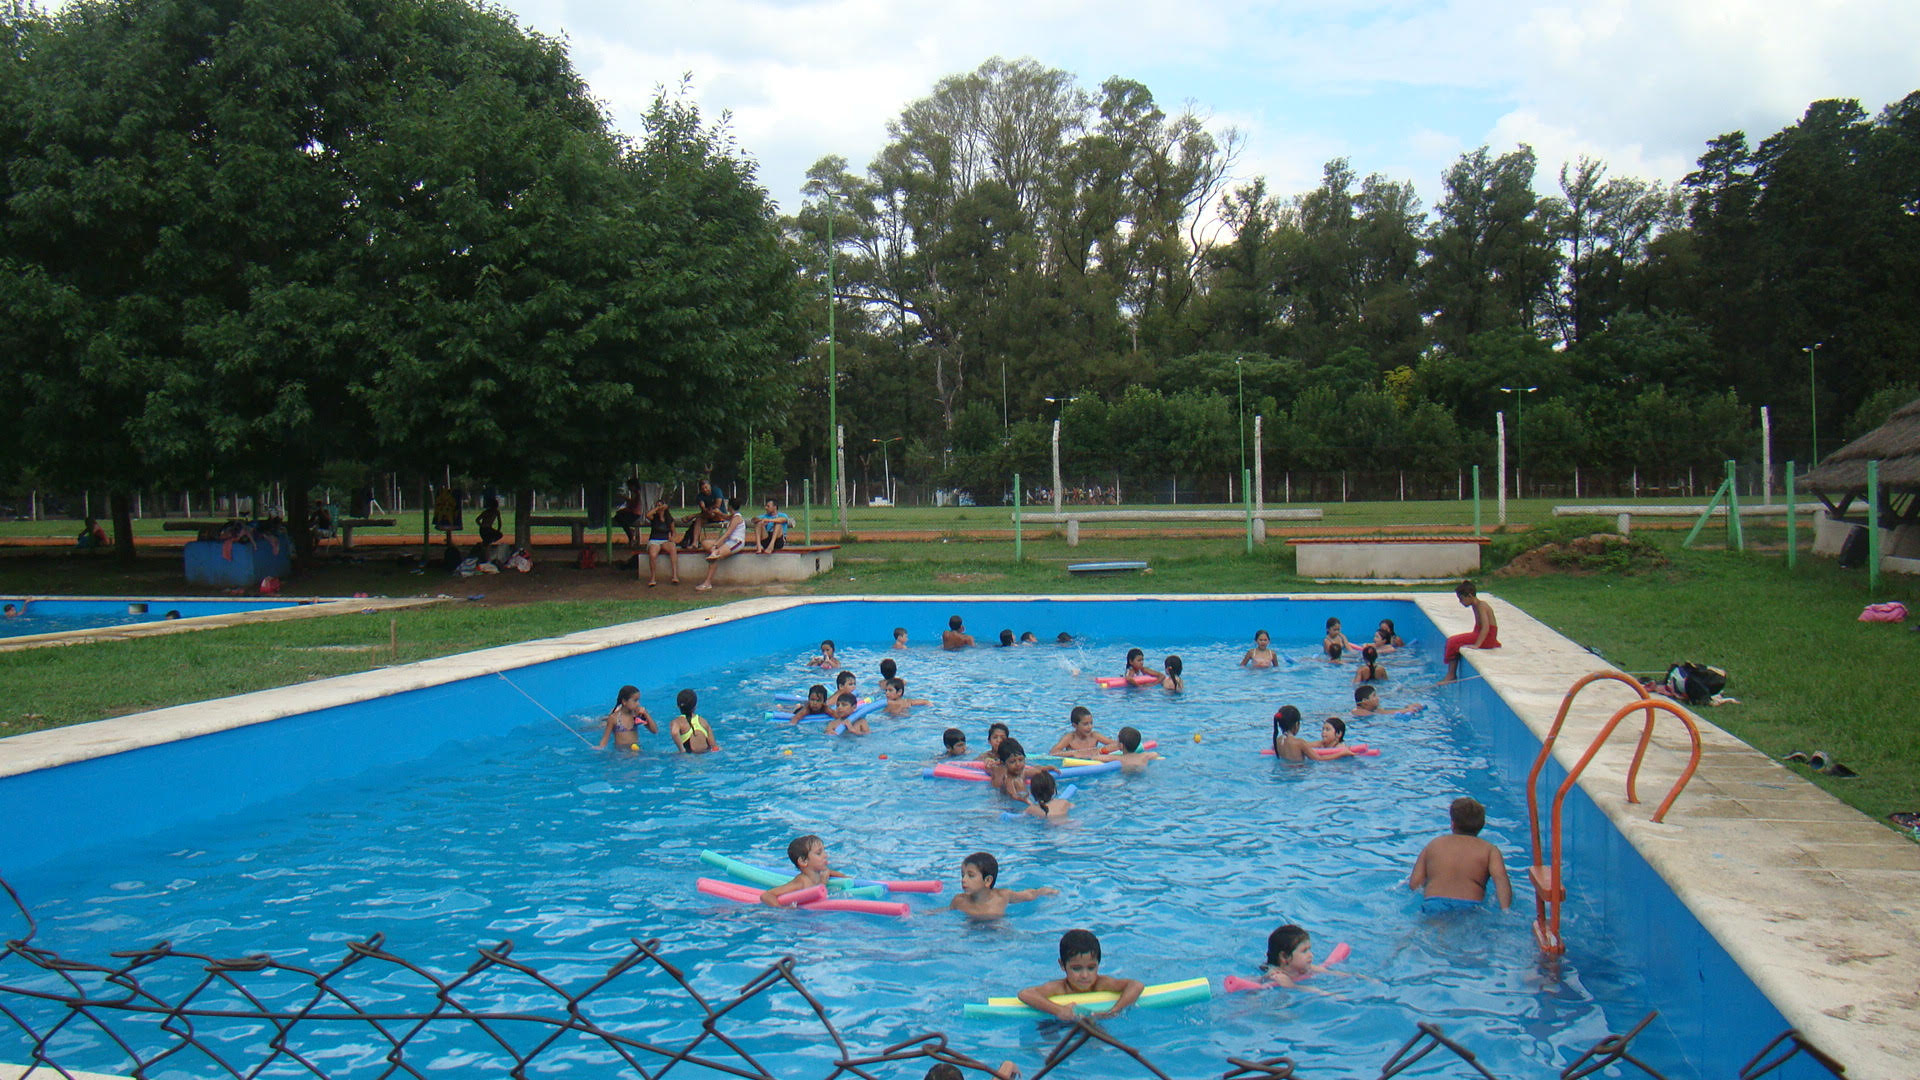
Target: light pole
{"x":1239,"y":376}
{"x":1519,"y":437}
{"x":1062,"y":402}
{"x":833,"y":390}
{"x":1813,"y":403}
{"x":886,"y":467}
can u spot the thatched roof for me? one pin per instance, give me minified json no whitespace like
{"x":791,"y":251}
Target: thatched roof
{"x":1895,"y":444}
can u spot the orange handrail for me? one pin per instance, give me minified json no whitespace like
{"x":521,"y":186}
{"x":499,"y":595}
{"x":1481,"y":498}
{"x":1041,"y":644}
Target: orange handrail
{"x":1549,"y":891}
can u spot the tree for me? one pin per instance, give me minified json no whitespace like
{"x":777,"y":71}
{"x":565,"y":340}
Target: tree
{"x":1489,"y":259}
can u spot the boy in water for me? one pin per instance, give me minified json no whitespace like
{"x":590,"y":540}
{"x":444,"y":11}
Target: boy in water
{"x":1081,"y":740}
{"x":1453,"y":870}
{"x":899,"y":637}
{"x":1080,"y":962}
{"x":955,"y":741}
{"x":1010,"y":777}
{"x":1366,"y":702}
{"x":980,"y":896}
{"x":898,"y":703}
{"x":1131,"y":758}
{"x":956,"y":636}
{"x":808,"y":854}
{"x":996,"y":734}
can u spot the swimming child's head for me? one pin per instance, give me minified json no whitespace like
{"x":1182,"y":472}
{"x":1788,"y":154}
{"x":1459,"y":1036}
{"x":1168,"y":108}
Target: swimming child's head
{"x":899,"y":635}
{"x":1285,"y":947}
{"x":1129,"y":739}
{"x":996,"y":734}
{"x":1335,"y":650}
{"x":1042,"y":789}
{"x":1173,"y":665}
{"x":9,"y":610}
{"x":954,"y":623}
{"x":1286,"y":721}
{"x":1333,"y":625}
{"x":984,"y":866}
{"x":1334,"y":728}
{"x":686,"y":701}
{"x":1080,"y":959}
{"x":1063,"y":638}
{"x":1370,"y":654}
{"x":1469,"y":817}
{"x":1361,"y":695}
{"x":1029,"y":638}
{"x":629,"y":695}
{"x":1261,"y":639}
{"x":1006,"y":638}
{"x":1011,"y":753}
{"x":1081,"y":715}
{"x":843,"y":680}
{"x":826,"y":647}
{"x":803,"y":849}
{"x":1135,"y":656}
{"x":945,"y":1071}
{"x":888,"y":669}
{"x":1386,"y":633}
{"x":894,"y":689}
{"x":954,"y":740}
{"x":816,"y":694}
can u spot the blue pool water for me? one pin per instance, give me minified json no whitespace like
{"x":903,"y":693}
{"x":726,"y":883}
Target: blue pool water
{"x":44,"y":616}
{"x":527,"y":833}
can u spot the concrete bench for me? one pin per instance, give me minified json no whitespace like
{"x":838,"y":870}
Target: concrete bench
{"x":791,"y":563}
{"x":1623,"y":515}
{"x":577,"y":524}
{"x":345,"y":526}
{"x":1410,"y":558}
{"x":1073,"y":518}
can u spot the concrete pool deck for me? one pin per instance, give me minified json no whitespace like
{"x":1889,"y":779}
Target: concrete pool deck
{"x":1816,"y":902}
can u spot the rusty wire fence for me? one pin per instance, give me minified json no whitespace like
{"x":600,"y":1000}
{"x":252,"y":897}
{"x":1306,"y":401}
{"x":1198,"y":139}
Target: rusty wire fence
{"x":164,"y":1011}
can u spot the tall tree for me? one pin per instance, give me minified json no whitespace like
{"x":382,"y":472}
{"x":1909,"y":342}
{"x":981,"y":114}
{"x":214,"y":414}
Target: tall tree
{"x":1489,"y":258}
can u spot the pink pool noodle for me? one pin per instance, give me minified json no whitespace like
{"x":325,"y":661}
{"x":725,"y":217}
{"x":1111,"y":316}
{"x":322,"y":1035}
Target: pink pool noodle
{"x":1234,"y":983}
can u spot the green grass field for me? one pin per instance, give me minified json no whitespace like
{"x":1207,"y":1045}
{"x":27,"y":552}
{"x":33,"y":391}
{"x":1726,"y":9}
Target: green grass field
{"x":1810,"y":676}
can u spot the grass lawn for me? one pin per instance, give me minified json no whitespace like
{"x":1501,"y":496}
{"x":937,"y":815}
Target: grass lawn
{"x":1810,"y":676}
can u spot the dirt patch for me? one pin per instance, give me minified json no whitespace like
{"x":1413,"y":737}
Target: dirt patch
{"x":967,"y":578}
{"x":1598,"y":553}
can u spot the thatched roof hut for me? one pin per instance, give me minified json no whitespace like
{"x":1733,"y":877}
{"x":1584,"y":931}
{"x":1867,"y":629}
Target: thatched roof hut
{"x":1842,"y":477}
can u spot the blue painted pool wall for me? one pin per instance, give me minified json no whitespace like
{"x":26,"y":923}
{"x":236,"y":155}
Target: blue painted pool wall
{"x":1704,"y":997}
{"x":188,"y":609}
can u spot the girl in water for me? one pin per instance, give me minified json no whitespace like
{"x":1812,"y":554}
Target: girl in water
{"x":1369,"y":668}
{"x":627,"y":716}
{"x":1290,"y":958}
{"x":690,"y":731}
{"x":1044,"y":806}
{"x":1172,"y":680}
{"x":1262,"y":654}
{"x":827,"y":660}
{"x":1137,"y":666}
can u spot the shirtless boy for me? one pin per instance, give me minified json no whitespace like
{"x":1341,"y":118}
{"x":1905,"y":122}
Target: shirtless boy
{"x":955,"y":636}
{"x":1081,"y":740}
{"x":1453,"y":870}
{"x":808,"y":854}
{"x":1080,"y":963}
{"x":1131,"y":757}
{"x":979,"y":895}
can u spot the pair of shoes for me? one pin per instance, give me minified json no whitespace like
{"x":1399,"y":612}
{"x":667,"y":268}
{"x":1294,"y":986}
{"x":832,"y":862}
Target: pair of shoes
{"x":702,"y":587}
{"x":653,"y":584}
{"x":1797,"y":755}
{"x":1821,"y":762}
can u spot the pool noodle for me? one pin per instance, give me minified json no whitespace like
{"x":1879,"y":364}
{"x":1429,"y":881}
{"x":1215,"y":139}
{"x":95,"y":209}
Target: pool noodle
{"x":747,"y":894}
{"x":1115,"y":682}
{"x":1359,"y":750}
{"x":1164,"y":995}
{"x":865,"y":907}
{"x":1234,"y":983}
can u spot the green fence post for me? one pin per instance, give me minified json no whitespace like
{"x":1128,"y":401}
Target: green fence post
{"x":1018,"y":555}
{"x":1793,"y":521}
{"x":1476,"y":500}
{"x":806,"y":510}
{"x":1873,"y":528}
{"x":1734,"y":533}
{"x":1246,"y":497}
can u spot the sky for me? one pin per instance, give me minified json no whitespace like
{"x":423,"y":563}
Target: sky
{"x":1397,"y":86}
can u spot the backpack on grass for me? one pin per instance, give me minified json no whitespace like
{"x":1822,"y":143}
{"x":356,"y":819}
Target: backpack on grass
{"x":1695,"y":684}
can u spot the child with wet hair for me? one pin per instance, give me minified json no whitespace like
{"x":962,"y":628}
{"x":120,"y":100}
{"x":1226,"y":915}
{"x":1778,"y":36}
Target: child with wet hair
{"x":1366,"y":702}
{"x":1287,"y":743}
{"x":955,"y":741}
{"x":690,"y":731}
{"x":1172,"y":681}
{"x":808,"y":854}
{"x":1044,"y":805}
{"x":1080,"y":965}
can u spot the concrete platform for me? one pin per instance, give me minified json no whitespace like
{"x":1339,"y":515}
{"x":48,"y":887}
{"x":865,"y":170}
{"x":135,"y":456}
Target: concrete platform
{"x":1400,"y":558}
{"x":753,"y":568}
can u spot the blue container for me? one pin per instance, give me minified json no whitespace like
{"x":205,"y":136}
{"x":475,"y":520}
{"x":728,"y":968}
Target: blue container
{"x":209,"y":562}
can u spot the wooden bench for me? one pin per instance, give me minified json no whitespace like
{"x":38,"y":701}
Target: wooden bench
{"x":1623,"y":515}
{"x":344,"y":528}
{"x":1073,"y":518}
{"x":578,"y":525}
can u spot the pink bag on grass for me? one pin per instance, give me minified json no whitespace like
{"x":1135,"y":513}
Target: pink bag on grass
{"x":1891,"y":611}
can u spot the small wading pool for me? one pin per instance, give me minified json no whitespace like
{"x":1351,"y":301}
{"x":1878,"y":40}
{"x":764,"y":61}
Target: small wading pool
{"x":462,"y":813}
{"x":61,"y":619}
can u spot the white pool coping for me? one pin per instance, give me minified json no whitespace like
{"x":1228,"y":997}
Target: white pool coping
{"x":1816,"y":902}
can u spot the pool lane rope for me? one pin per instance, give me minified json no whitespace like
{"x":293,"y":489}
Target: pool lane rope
{"x":544,"y":709}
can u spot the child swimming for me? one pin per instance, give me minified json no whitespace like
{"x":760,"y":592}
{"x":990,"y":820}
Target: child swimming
{"x":846,"y":697}
{"x":1287,"y":743}
{"x":1366,"y":702}
{"x":1370,"y":667}
{"x":980,"y":895}
{"x":808,"y":854}
{"x":899,"y":637}
{"x":1137,"y":665}
{"x":1006,"y":639}
{"x":1386,"y":638}
{"x":1454,"y":870}
{"x":1333,"y":740}
{"x":1262,"y":654}
{"x":1080,"y":963}
{"x":828,"y":660}
{"x":1290,"y":958}
{"x":1335,"y":637}
{"x":690,"y":731}
{"x":898,"y":703}
{"x":622,"y":723}
{"x":955,"y":742}
{"x":888,"y":669}
{"x":1011,"y":776}
{"x":1130,"y":757}
{"x":1171,"y":681}
{"x":815,"y":705}
{"x":955,"y":636}
{"x":996,"y":734}
{"x":1044,"y":805}
{"x":1081,"y":740}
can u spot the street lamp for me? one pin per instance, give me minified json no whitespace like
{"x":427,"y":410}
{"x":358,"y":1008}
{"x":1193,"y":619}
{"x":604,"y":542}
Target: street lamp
{"x":1813,"y":401}
{"x":833,"y":395}
{"x":1519,"y":443}
{"x":886,"y":468}
{"x":1239,"y":375}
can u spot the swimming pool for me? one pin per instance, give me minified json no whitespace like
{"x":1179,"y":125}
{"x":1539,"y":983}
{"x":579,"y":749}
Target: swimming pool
{"x":1207,"y":829}
{"x":54,"y":620}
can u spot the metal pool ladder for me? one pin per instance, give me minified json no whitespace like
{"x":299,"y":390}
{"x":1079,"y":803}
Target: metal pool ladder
{"x":1549,"y":890}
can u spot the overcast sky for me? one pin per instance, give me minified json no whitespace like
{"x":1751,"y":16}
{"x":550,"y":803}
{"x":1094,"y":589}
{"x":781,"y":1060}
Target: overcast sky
{"x":1398,"y":86}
